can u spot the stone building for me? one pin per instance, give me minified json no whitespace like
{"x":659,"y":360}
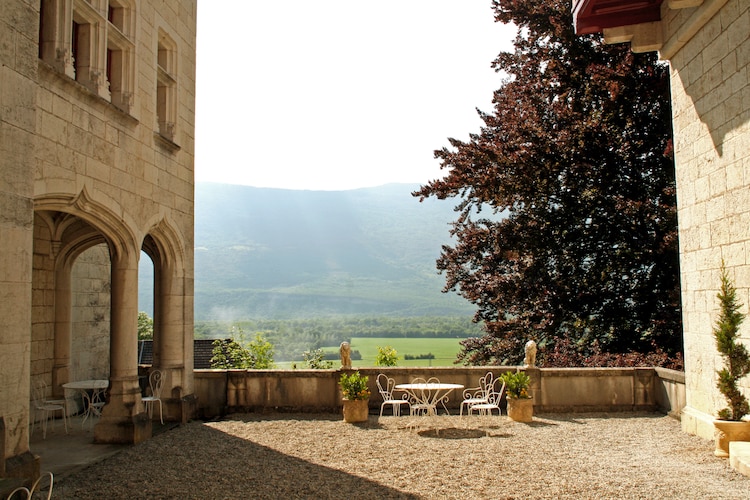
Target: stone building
{"x":707,"y":45}
{"x":97,"y":120}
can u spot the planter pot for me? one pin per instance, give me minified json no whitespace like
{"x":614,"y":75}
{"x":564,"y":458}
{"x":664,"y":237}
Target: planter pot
{"x":356,"y":410}
{"x":520,"y":410}
{"x":727,"y":431}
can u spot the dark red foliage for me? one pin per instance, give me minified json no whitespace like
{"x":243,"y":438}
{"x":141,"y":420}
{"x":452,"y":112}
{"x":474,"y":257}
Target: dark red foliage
{"x":573,"y":168}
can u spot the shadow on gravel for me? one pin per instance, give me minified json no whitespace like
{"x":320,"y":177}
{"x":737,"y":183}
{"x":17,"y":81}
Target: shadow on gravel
{"x":266,"y":473}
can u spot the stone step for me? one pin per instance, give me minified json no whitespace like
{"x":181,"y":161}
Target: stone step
{"x":739,"y":456}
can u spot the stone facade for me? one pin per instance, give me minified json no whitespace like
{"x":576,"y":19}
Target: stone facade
{"x":707,"y":44}
{"x":97,"y":120}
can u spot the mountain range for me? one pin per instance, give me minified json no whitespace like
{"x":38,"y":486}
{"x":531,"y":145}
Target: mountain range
{"x":264,"y":253}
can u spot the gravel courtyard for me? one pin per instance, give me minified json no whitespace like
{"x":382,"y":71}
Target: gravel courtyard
{"x":287,"y":456}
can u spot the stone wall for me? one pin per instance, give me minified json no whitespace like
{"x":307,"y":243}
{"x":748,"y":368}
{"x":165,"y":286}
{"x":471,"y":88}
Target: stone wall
{"x":220,"y":392}
{"x":90,"y":287}
{"x":707,"y":44}
{"x":97,"y":165}
{"x":710,"y":78}
{"x":18,"y":60}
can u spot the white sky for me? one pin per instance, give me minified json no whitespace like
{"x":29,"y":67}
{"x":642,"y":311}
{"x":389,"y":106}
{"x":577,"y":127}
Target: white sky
{"x":339,"y":94}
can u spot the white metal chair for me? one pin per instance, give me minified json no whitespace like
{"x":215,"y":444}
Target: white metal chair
{"x":42,"y":487}
{"x":385,"y":387}
{"x":93,"y":403}
{"x":477,"y":395}
{"x":20,"y":493}
{"x":424,"y":401}
{"x":493,"y":400}
{"x":47,"y":408}
{"x":154,"y":382}
{"x":419,"y":403}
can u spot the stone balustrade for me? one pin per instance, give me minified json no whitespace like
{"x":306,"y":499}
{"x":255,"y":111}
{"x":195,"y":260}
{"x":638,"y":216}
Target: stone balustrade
{"x":554,"y":390}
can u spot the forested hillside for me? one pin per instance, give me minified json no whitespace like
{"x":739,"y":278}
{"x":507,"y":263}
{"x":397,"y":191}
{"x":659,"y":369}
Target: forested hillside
{"x":284,"y":254}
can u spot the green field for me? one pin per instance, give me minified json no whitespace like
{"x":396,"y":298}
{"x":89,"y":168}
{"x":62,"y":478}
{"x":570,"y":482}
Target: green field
{"x":445,"y":350}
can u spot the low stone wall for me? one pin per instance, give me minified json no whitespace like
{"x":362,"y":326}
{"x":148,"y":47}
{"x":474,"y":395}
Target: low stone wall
{"x":554,"y":390}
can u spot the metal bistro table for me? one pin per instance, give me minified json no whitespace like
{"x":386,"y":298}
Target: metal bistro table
{"x":426,"y":395}
{"x":92,"y":393}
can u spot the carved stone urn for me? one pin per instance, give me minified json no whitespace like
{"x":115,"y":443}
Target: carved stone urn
{"x":356,"y":410}
{"x":520,"y":409}
{"x":728,"y":431}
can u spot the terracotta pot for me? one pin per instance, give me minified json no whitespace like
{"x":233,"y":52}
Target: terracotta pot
{"x":727,"y":431}
{"x":521,"y":409}
{"x":356,"y":410}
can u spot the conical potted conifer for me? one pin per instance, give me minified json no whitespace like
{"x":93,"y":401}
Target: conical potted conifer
{"x":730,"y":425}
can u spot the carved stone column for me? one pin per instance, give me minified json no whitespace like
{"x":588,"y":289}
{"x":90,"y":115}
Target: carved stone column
{"x":123,"y":419}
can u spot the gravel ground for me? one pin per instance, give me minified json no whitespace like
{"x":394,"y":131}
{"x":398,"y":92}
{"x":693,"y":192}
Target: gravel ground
{"x":285,"y":456}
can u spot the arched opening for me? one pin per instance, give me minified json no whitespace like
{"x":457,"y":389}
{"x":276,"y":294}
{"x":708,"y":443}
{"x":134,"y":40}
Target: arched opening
{"x":84,"y":299}
{"x":71,"y":300}
{"x":145,"y":314}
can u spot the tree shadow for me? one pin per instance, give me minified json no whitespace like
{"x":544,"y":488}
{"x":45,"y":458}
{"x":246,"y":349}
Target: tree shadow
{"x":155,"y":469}
{"x":456,"y":433}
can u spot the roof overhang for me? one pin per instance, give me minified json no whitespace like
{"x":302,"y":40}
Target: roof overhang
{"x":593,"y":16}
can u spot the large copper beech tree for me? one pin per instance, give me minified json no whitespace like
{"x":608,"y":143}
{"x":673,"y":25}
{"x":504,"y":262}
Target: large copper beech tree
{"x":566,"y":227}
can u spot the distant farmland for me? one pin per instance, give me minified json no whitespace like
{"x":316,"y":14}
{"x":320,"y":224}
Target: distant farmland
{"x":444,"y":350}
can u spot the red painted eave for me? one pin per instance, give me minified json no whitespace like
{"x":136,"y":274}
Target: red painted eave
{"x":592,"y":16}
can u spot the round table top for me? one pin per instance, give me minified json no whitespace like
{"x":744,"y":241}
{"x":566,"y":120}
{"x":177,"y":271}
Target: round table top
{"x":429,"y":386}
{"x":87,"y":384}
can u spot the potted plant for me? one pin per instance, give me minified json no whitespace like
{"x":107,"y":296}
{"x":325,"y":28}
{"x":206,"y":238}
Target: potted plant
{"x":356,"y":396}
{"x":730,"y":424}
{"x":520,"y":403}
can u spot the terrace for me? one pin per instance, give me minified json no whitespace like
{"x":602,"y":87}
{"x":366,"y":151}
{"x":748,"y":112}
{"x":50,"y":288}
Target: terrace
{"x":313,"y":455}
{"x":279,"y":433}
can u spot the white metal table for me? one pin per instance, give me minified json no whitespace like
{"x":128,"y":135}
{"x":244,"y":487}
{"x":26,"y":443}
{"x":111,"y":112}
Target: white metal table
{"x":92,"y":391}
{"x":427,"y":395}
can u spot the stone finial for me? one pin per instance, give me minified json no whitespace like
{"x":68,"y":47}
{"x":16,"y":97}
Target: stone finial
{"x":346,"y":355}
{"x":530,"y":358}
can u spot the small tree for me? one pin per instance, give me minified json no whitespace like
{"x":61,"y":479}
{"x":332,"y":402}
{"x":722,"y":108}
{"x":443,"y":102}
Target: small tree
{"x":387,"y":356}
{"x":315,"y":359}
{"x":235,"y":352}
{"x":145,"y":326}
{"x":261,"y":351}
{"x":735,"y":355}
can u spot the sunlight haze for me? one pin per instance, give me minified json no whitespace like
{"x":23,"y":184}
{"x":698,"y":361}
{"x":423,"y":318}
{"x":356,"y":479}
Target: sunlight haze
{"x":339,"y":94}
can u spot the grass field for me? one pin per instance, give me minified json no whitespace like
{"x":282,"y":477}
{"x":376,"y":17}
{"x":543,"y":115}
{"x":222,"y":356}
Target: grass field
{"x":445,"y":350}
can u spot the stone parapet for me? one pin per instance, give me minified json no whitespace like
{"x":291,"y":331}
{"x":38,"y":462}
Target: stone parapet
{"x":220,"y":392}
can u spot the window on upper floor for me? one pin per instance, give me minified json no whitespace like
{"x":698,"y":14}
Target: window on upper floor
{"x":92,"y":41}
{"x":166,"y":86}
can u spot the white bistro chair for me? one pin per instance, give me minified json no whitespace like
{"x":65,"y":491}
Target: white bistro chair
{"x":493,"y":400}
{"x":93,"y":403}
{"x":42,"y":488}
{"x":47,"y":408}
{"x":385,"y":387}
{"x":154,"y":383}
{"x":477,"y":395}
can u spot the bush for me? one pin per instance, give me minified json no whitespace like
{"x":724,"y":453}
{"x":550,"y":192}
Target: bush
{"x":236,"y":353}
{"x":315,"y":359}
{"x":516,"y":384}
{"x":387,"y":356}
{"x":354,"y":386}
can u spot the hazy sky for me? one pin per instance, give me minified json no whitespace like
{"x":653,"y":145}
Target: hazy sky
{"x":339,"y":94}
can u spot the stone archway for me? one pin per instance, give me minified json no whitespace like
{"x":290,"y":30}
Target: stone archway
{"x":173,"y":331}
{"x":65,"y":227}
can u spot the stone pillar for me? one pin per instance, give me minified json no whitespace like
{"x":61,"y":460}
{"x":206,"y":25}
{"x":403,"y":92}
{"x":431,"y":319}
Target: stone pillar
{"x":63,"y":308}
{"x":123,"y":418}
{"x":170,"y":341}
